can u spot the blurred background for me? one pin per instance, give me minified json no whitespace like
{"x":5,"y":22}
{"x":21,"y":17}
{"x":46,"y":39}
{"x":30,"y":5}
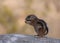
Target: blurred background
{"x":14,"y":12}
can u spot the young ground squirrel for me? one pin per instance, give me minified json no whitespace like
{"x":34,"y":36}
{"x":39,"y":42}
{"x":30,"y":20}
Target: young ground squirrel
{"x":39,"y":25}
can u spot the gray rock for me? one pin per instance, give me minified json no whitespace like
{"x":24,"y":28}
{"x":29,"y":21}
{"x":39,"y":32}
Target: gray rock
{"x":19,"y":38}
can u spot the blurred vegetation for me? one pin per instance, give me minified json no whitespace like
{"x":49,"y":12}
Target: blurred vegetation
{"x":7,"y":19}
{"x":28,"y":3}
{"x":29,"y":10}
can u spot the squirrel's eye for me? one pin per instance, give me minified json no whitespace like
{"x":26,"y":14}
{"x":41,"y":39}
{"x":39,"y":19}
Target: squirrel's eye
{"x":28,"y":17}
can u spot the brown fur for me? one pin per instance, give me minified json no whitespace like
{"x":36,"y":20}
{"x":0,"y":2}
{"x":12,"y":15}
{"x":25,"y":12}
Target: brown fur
{"x":39,"y":25}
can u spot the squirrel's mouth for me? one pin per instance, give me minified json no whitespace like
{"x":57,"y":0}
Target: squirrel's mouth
{"x":27,"y":21}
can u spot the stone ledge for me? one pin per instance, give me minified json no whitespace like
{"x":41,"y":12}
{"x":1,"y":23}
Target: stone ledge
{"x":19,"y":38}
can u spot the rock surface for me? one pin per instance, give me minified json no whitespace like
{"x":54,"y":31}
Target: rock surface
{"x":19,"y":38}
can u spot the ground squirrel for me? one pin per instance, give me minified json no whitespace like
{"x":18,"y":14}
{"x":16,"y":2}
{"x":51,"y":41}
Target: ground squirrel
{"x":39,"y":25}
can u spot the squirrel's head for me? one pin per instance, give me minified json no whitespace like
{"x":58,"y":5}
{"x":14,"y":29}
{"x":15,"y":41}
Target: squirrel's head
{"x":30,"y":19}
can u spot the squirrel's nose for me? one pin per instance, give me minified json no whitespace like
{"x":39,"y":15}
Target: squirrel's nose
{"x":25,"y":22}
